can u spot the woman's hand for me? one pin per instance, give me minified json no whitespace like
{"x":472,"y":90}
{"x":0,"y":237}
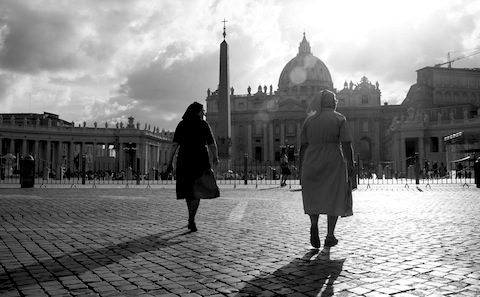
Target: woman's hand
{"x":169,"y":168}
{"x":215,"y":161}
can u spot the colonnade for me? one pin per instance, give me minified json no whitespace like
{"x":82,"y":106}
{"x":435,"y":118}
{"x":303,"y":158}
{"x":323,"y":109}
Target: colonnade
{"x":69,"y":153}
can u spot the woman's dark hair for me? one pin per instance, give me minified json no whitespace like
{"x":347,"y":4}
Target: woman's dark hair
{"x":193,"y":111}
{"x":328,"y":99}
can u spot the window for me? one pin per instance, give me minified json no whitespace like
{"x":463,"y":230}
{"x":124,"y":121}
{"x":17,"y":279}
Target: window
{"x":434,"y":144}
{"x":364,"y":126}
{"x":364,"y":99}
{"x":258,"y":128}
{"x":290,"y":129}
{"x":241,"y":132}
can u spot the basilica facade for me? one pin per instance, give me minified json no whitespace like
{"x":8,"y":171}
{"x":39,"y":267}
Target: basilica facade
{"x":442,"y":101}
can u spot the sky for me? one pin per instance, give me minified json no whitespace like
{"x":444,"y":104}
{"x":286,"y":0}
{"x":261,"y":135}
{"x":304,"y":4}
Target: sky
{"x":105,"y":60}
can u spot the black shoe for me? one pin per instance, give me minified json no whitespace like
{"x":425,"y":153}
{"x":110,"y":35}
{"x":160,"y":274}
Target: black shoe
{"x":330,"y":241}
{"x":192,"y":227}
{"x":314,"y":239}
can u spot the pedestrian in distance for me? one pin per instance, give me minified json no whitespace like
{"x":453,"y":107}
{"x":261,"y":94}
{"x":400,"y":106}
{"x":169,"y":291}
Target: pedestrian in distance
{"x":284,"y":169}
{"x":194,"y":141}
{"x":327,"y":172}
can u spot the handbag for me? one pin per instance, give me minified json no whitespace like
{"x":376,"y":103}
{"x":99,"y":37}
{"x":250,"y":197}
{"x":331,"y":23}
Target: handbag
{"x":205,"y":186}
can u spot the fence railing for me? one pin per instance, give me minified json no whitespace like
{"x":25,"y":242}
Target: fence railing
{"x":242,"y":171}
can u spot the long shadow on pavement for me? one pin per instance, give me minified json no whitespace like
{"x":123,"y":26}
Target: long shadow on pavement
{"x":82,"y":261}
{"x":306,"y":275}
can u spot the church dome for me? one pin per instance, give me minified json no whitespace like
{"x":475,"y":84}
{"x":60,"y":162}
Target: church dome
{"x":304,"y":72}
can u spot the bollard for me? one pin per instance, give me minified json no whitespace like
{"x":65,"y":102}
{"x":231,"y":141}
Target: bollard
{"x":138,"y":171}
{"x":417,"y":169}
{"x":83,"y":168}
{"x":245,"y":171}
{"x":357,"y":171}
{"x":27,"y":172}
{"x":476,"y":172}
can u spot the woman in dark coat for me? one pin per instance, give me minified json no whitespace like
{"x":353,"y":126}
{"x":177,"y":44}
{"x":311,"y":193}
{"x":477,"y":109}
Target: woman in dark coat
{"x":192,"y":137}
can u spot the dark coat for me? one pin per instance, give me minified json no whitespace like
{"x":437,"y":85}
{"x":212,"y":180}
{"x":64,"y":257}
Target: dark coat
{"x":193,"y":136}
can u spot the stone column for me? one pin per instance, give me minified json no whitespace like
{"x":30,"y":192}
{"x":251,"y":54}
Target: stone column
{"x":156,"y":151}
{"x":121,"y":157}
{"x":35,"y":150}
{"x":35,"y":155}
{"x":48,"y":154}
{"x":139,"y":154}
{"x":271,"y":154}
{"x":265,"y":142}
{"x":12,"y":146}
{"x":282,"y":133}
{"x":421,"y":151}
{"x":249,"y":140}
{"x":299,"y":133}
{"x":71,"y":156}
{"x":61,"y":153}
{"x":1,"y":146}
{"x":24,"y":147}
{"x":146,"y":158}
{"x":80,"y":156}
{"x":159,"y":157}
{"x":60,"y":164}
{"x":94,"y":156}
{"x":403,"y":157}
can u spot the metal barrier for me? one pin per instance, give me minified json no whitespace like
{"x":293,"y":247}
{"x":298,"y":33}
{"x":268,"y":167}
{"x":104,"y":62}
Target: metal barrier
{"x":241,"y":171}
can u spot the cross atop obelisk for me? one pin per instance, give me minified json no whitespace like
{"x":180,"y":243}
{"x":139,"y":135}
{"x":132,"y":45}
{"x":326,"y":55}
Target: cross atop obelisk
{"x":224,"y":33}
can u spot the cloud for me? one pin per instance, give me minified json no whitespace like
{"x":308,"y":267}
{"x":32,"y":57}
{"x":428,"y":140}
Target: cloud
{"x":36,"y":41}
{"x":106,"y":60}
{"x":167,"y":85}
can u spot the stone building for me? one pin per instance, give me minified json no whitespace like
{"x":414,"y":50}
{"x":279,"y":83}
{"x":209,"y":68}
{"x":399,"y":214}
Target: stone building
{"x":443,"y":101}
{"x":265,"y":120}
{"x":58,"y":145}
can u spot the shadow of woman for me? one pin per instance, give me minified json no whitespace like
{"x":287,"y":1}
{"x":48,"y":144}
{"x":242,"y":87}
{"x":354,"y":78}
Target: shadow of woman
{"x":308,"y":275}
{"x":80,"y":261}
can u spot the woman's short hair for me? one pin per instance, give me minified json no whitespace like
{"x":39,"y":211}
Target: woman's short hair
{"x":328,"y":99}
{"x":325,"y":99}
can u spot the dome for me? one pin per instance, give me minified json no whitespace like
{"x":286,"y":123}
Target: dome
{"x":305,"y":71}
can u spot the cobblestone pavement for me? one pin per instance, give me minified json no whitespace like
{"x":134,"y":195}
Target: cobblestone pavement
{"x":415,"y":241}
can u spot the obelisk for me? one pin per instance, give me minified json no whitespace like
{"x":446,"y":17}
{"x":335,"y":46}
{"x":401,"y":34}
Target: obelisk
{"x":224,"y":123}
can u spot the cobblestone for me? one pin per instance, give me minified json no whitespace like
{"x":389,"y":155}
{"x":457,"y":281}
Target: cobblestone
{"x":402,"y":241}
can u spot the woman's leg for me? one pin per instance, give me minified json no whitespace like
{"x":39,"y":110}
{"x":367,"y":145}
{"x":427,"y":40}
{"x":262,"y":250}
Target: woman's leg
{"x":330,"y":240}
{"x":192,"y":206}
{"x":331,"y":223}
{"x":314,"y":239}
